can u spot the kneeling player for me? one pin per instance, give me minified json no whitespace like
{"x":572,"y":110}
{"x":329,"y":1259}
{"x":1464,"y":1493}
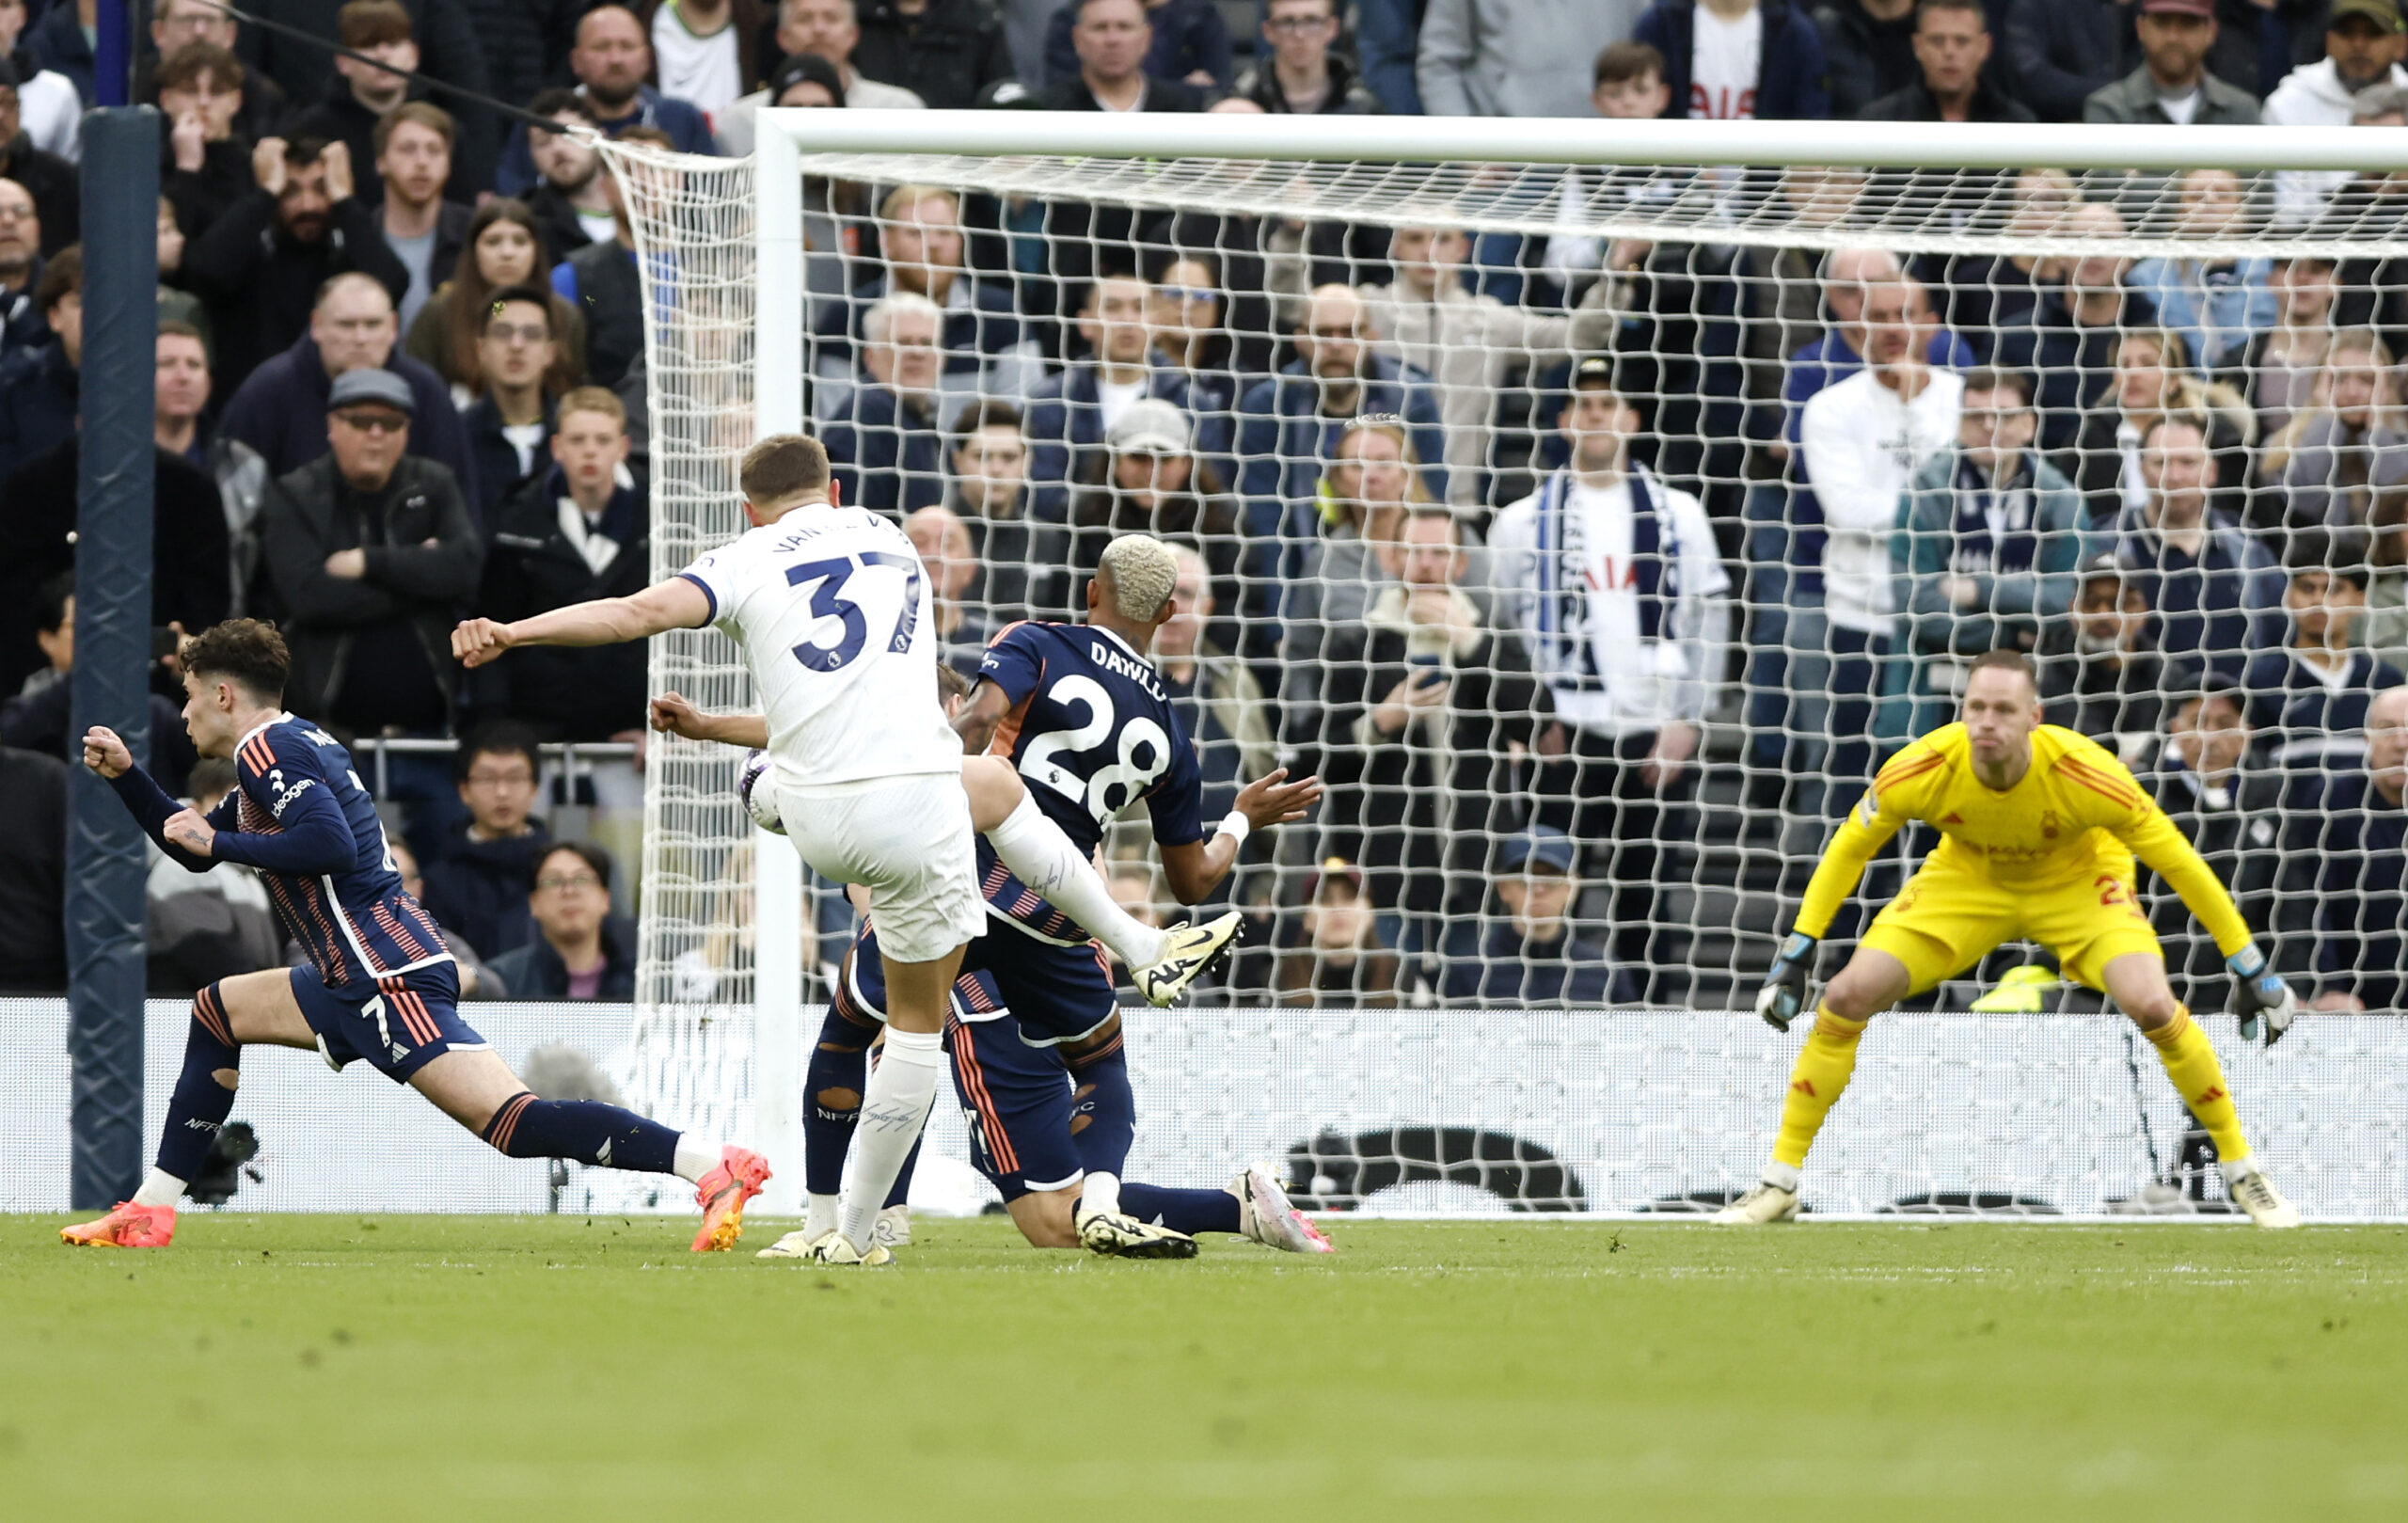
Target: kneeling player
{"x":379,"y":985}
{"x":1042,"y":1074}
{"x":2039,"y":827}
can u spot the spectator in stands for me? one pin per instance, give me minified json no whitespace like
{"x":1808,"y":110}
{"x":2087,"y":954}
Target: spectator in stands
{"x":888,"y":450}
{"x":525,"y":43}
{"x":261,"y":266}
{"x":2213,"y":587}
{"x":824,"y":30}
{"x":1339,"y":959}
{"x":199,"y":927}
{"x":205,"y":164}
{"x":2069,"y":343}
{"x":1530,"y":955}
{"x":33,"y":869}
{"x":177,"y":25}
{"x":2373,"y":288}
{"x":53,"y":181}
{"x":1952,"y":46}
{"x":349,"y":328}
{"x":1730,"y":59}
{"x":1611,"y":578}
{"x":1387,"y":35}
{"x":1185,"y":309}
{"x":962,"y":627}
{"x":2172,"y":84}
{"x":611,"y":60}
{"x":511,"y":423}
{"x":2310,"y":696}
{"x":448,"y":50}
{"x":366,"y":94}
{"x":2279,"y":368}
{"x":2230,"y":812}
{"x":2353,"y":846}
{"x":1990,"y":537}
{"x":1868,"y":51}
{"x":41,"y":716}
{"x":1020,"y":558}
{"x":2384,"y":627}
{"x":1862,"y":441}
{"x":2153,"y":377}
{"x":1114,"y":43}
{"x":413,"y":144}
{"x":579,"y":950}
{"x":1069,"y":412}
{"x":174,"y":304}
{"x":942,"y":51}
{"x":372,"y":554}
{"x":2101,"y":674}
{"x":600,"y":280}
{"x":1289,"y":424}
{"x":1421,"y":707}
{"x":503,"y":246}
{"x":708,"y":52}
{"x":2216,"y":305}
{"x":1219,"y":702}
{"x":49,"y":107}
{"x":40,"y":384}
{"x":1150,"y":479}
{"x":576,"y":531}
{"x":571,"y":201}
{"x":478,"y":886}
{"x":1297,"y":72}
{"x":986,"y":353}
{"x":1371,"y":486}
{"x":1516,"y":57}
{"x":182,"y":388}
{"x":21,"y":322}
{"x":2363,"y":46}
{"x":1468,"y":343}
{"x":2330,"y":462}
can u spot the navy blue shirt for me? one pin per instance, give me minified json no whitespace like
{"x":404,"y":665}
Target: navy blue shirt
{"x":2362,"y":945}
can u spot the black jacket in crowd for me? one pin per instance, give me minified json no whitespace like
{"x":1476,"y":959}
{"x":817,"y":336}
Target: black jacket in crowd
{"x":535,"y":972}
{"x":52,"y":182}
{"x":2237,"y":829}
{"x":2059,"y":51}
{"x":478,"y":889}
{"x":611,"y":294}
{"x":495,"y":460}
{"x":945,"y":55}
{"x":202,"y":195}
{"x":33,"y":872}
{"x":310,"y":514}
{"x":556,"y":219}
{"x":261,"y":283}
{"x":1913,"y":101}
{"x":449,"y":49}
{"x":1864,"y":58}
{"x":280,"y":411}
{"x":530,"y":568}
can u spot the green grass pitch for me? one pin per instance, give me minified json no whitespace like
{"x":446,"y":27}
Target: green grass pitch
{"x":399,"y":1367}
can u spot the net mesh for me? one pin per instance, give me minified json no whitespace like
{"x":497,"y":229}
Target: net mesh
{"x":1696,"y":750}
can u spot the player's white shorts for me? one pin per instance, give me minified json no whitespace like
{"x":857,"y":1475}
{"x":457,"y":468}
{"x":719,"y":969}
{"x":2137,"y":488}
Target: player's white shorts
{"x":908,"y":840}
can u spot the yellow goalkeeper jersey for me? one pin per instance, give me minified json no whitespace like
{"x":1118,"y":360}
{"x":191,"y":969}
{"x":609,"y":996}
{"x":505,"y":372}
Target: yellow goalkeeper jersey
{"x":2077,"y":813}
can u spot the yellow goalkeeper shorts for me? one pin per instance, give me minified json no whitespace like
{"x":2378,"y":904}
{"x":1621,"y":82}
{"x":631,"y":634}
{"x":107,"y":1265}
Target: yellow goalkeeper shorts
{"x":1946,"y":919}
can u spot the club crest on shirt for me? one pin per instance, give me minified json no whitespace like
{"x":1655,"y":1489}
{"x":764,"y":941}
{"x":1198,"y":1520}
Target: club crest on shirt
{"x":2049,"y":824}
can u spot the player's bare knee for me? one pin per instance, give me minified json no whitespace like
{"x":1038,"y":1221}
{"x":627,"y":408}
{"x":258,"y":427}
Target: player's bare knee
{"x":227,"y":1078}
{"x":1853,"y":997}
{"x":2153,"y":1010}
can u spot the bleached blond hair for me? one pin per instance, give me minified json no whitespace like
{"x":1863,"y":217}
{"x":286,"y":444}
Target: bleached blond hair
{"x":1145,"y":575}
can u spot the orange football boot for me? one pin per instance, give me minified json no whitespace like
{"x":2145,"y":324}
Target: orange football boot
{"x":128,"y":1227}
{"x":722,"y":1194}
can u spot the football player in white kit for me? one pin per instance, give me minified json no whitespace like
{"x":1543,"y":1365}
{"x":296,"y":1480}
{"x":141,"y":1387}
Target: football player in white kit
{"x":833,"y":613}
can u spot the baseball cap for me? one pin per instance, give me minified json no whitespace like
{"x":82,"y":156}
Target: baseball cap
{"x":807,"y":67}
{"x":382,"y":387}
{"x":1150,"y":427}
{"x":2205,"y":9}
{"x":2383,"y":13}
{"x":2104,"y":563}
{"x":1540,"y":843}
{"x":1595,"y":371}
{"x":1334,"y":870}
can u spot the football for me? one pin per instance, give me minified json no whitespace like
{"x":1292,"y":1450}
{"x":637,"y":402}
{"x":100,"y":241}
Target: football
{"x":759,"y":800}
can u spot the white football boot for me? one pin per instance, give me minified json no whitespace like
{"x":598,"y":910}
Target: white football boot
{"x":1765,"y":1204}
{"x":1267,"y":1216}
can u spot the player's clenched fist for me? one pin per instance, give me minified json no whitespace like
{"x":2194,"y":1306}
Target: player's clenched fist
{"x":105,"y":753}
{"x":475,"y":641}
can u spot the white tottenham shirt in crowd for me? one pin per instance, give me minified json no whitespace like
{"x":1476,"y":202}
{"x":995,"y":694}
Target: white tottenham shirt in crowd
{"x":1641,"y":684}
{"x":705,"y":72}
{"x":1725,"y":61}
{"x":1861,"y":445}
{"x":834,"y":617}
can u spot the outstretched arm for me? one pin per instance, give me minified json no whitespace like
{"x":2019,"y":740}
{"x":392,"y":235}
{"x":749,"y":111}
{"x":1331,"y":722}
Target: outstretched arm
{"x":674,"y":714}
{"x":1193,"y":871}
{"x":1852,"y":846}
{"x":2157,"y":841}
{"x":676,"y":604}
{"x":144,"y":798}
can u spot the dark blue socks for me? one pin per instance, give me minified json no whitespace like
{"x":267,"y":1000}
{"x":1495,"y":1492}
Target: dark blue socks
{"x":1103,"y":1117}
{"x":832,"y":1101}
{"x":1182,"y":1211}
{"x":585,"y":1129}
{"x":201,"y":1105}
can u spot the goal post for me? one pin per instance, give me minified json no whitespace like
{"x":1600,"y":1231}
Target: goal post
{"x":759,"y":275}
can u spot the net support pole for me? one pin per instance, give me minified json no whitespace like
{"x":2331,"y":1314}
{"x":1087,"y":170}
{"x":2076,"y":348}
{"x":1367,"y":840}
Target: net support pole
{"x":777,"y":408}
{"x":114,"y":487}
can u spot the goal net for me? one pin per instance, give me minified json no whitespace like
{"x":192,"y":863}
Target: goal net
{"x":1591,"y":682}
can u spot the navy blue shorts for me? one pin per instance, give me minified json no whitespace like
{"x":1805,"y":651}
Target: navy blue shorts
{"x":1056,"y":993}
{"x":396,"y":1026}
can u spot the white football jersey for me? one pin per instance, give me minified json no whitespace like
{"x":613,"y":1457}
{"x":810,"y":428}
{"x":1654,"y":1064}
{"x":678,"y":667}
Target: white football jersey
{"x":833,"y":614}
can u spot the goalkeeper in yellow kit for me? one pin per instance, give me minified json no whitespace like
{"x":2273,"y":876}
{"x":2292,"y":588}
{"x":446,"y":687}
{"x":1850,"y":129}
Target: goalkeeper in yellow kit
{"x":2038,"y":829}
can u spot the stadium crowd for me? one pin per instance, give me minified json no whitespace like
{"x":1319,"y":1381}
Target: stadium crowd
{"x":1488,"y":528}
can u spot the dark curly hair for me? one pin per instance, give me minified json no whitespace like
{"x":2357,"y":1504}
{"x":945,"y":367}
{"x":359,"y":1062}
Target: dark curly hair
{"x":245,"y":652}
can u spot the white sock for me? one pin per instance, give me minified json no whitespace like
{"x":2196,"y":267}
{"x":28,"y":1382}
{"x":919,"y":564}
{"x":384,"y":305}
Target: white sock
{"x":695,"y":1159}
{"x":159,"y":1189}
{"x":2237,"y":1169}
{"x":894,"y":1106}
{"x":818,"y":1216}
{"x":1039,"y":855}
{"x":1784,"y":1175}
{"x":1102,"y":1192}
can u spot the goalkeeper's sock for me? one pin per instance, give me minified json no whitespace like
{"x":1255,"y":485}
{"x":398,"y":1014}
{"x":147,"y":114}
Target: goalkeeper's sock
{"x":2198,"y":1078}
{"x":1815,"y":1081}
{"x":1041,"y":856}
{"x":587,"y":1131}
{"x":894,"y":1106}
{"x":1182,"y":1210}
{"x":201,"y":1103}
{"x":831,"y":1087}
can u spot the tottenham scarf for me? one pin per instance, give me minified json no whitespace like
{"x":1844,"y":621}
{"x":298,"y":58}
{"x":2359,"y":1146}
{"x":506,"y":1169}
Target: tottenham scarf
{"x":1565,"y":643}
{"x":1976,"y":548}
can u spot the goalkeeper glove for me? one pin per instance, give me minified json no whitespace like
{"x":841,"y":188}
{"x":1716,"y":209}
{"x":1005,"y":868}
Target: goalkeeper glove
{"x":2259,"y":991}
{"x":1783,"y":994}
